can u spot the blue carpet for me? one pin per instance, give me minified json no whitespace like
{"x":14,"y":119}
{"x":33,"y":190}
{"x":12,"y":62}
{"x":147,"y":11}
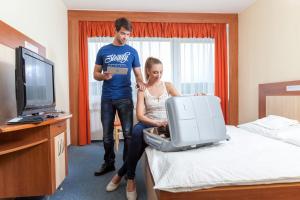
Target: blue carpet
{"x":81,"y":184}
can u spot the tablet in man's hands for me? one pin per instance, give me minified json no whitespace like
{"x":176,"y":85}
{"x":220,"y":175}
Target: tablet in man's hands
{"x":117,"y":70}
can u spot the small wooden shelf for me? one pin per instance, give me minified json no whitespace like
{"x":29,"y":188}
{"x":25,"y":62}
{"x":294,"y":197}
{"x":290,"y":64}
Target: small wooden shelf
{"x":16,"y":146}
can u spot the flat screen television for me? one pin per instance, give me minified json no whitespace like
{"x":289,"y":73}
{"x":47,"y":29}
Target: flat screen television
{"x":34,"y":77}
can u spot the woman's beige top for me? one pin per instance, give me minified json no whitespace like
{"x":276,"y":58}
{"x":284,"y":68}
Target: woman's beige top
{"x":155,"y":106}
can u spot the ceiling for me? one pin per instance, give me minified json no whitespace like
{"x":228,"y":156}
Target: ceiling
{"x":187,"y":6}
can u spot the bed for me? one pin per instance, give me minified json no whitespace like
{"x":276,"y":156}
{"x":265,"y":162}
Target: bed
{"x":274,"y":98}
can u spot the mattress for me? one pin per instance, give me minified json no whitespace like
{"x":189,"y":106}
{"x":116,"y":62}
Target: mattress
{"x":246,"y":159}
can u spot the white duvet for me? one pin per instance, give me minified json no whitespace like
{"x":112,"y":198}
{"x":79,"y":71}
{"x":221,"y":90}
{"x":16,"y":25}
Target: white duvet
{"x":246,"y":159}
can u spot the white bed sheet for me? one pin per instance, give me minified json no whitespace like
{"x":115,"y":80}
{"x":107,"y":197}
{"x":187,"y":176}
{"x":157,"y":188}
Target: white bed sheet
{"x":246,"y":159}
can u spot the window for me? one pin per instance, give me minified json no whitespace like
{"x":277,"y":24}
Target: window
{"x":188,"y":63}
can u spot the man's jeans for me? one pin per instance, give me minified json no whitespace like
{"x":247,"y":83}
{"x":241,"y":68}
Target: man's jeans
{"x":124,"y":107}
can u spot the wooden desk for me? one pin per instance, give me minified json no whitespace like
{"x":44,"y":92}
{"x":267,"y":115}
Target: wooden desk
{"x":33,"y":158}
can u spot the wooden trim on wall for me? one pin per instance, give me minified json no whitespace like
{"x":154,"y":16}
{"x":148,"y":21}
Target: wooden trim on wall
{"x":13,"y":38}
{"x":75,"y":16}
{"x":274,"y":89}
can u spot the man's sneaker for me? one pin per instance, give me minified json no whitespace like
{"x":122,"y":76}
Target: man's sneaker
{"x":105,"y":168}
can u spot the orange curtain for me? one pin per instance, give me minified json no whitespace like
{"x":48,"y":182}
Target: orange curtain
{"x":221,"y":69}
{"x":84,"y":133}
{"x":150,"y":29}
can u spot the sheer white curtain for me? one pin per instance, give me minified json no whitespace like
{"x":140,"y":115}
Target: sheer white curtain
{"x":196,"y":71}
{"x":188,"y":63}
{"x":95,"y":88}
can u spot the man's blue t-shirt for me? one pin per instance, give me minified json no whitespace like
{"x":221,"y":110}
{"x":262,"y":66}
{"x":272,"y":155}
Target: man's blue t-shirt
{"x":119,"y":86}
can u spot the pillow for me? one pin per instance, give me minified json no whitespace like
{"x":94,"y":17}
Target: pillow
{"x":290,"y":134}
{"x":254,"y":128}
{"x":274,"y":122}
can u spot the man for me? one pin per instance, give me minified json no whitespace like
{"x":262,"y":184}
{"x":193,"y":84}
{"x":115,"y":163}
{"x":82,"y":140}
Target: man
{"x":113,"y":66}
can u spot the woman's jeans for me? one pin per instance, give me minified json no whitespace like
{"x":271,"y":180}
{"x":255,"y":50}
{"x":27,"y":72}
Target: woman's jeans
{"x":124,"y":107}
{"x":136,"y":150}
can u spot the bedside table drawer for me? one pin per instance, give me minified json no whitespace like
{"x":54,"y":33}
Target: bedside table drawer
{"x":58,"y":128}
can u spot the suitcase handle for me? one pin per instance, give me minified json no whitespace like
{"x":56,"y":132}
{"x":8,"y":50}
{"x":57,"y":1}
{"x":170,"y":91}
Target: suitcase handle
{"x":154,"y":141}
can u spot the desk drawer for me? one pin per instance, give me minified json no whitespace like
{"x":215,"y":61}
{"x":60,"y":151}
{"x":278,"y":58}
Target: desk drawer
{"x":58,"y":128}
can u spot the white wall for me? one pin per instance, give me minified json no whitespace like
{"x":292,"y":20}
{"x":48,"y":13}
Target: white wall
{"x":46,"y":22}
{"x":269,"y":49}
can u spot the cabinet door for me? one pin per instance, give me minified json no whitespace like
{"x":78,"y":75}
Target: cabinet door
{"x":60,"y":164}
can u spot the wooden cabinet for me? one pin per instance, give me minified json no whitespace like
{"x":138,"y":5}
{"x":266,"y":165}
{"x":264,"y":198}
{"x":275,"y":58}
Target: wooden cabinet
{"x":33,"y":158}
{"x":60,"y":158}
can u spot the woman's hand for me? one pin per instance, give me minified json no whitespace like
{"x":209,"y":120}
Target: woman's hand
{"x":163,"y":123}
{"x":199,"y":94}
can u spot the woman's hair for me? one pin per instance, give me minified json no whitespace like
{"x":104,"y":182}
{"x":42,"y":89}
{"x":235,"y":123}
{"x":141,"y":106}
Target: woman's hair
{"x":149,"y":63}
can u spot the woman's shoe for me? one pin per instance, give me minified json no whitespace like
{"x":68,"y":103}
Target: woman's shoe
{"x":112,"y":186}
{"x":131,"y":195}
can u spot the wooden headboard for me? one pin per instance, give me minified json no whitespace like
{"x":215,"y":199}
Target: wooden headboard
{"x":13,"y":38}
{"x":282,"y":98}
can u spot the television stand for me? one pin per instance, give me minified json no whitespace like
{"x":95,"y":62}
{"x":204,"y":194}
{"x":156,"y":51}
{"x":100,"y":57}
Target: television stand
{"x":33,"y":157}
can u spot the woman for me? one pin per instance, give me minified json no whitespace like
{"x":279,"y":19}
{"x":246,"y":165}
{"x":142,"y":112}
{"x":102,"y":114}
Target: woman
{"x":151,"y":112}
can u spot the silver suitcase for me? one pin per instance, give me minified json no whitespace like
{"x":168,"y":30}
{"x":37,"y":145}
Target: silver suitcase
{"x":193,"y":121}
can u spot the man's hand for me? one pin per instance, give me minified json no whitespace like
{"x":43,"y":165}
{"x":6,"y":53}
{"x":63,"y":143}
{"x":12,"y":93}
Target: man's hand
{"x":139,"y":79}
{"x":140,"y":85}
{"x":106,"y":75}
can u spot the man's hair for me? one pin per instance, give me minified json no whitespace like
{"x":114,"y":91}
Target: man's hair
{"x":123,"y":22}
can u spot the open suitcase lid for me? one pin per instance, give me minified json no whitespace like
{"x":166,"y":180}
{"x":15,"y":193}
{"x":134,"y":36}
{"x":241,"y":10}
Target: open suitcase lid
{"x":195,"y":120}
